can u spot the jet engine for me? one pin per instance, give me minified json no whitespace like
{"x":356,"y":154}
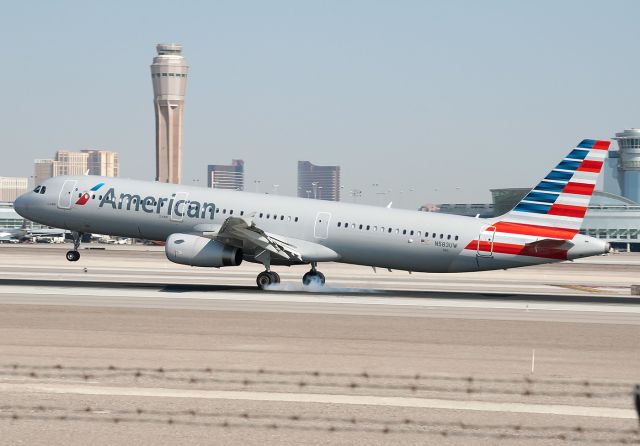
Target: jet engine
{"x":189,"y":249}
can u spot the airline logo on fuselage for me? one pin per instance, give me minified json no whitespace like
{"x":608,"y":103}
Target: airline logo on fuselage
{"x":157,"y":205}
{"x":84,"y":198}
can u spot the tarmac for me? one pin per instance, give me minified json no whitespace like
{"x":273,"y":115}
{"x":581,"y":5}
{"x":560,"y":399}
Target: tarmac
{"x":126,"y":347}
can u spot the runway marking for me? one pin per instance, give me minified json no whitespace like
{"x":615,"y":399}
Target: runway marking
{"x":368,"y":400}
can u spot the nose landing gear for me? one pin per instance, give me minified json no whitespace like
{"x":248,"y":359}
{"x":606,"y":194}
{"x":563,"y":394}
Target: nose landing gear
{"x":74,"y":255}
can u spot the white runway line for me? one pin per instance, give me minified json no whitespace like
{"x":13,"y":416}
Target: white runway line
{"x":425,"y":403}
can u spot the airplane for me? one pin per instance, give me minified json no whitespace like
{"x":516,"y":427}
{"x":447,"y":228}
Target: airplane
{"x":221,"y":228}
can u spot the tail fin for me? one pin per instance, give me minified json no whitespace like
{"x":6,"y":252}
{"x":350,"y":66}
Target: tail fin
{"x":556,"y":206}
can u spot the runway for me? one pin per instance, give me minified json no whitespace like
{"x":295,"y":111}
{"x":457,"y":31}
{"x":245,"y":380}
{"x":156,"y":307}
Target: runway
{"x":178,"y":355}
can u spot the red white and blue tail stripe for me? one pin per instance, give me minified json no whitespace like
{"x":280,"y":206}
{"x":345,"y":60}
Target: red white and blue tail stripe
{"x":550,"y":215}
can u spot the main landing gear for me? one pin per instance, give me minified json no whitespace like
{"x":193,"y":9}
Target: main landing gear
{"x":74,"y":255}
{"x":313,"y":277}
{"x":266,"y":278}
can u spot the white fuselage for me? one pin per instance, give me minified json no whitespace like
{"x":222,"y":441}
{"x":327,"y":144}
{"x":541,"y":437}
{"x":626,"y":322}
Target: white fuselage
{"x":359,"y":234}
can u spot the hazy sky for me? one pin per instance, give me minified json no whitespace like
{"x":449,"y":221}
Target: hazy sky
{"x":448,"y":98}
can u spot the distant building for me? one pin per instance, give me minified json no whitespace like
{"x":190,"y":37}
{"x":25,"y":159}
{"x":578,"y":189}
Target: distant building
{"x":169,"y":79}
{"x":96,"y":162}
{"x":319,"y":182}
{"x":102,"y":163}
{"x":11,"y":187}
{"x":226,"y":176}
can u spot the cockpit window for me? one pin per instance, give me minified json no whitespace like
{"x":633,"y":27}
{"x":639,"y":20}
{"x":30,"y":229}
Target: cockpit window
{"x":37,"y":189}
{"x":43,"y":189}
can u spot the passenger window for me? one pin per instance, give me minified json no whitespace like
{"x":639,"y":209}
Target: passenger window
{"x":231,"y":212}
{"x":441,"y":235}
{"x":360,"y":227}
{"x":296,"y":219}
{"x":390,"y":230}
{"x":375,"y":228}
{"x":456,"y":237}
{"x":419,"y":233}
{"x":268,"y":216}
{"x":449,"y":237}
{"x":224,"y":211}
{"x":289,"y":218}
{"x":411,"y":233}
{"x":260,"y":214}
{"x":275,"y":217}
{"x":79,"y":194}
{"x":339,"y":224}
{"x":93,"y":197}
{"x":434,"y":235}
{"x":397,"y":231}
{"x":241,"y":213}
{"x":281,"y":217}
{"x":217,"y":209}
{"x":404,"y":232}
{"x":368,"y":227}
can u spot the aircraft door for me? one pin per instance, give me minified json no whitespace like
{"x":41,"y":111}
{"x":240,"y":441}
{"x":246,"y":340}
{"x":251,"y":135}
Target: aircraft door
{"x":321,"y":228}
{"x":179,"y":206}
{"x":485,"y":242}
{"x":66,"y":194}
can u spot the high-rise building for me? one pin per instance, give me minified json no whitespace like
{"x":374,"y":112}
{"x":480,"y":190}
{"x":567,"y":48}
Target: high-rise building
{"x":169,"y":78}
{"x":622,"y":167}
{"x":103,"y":163}
{"x":96,"y":162}
{"x":320,"y":182}
{"x":11,"y":187}
{"x":226,"y":176}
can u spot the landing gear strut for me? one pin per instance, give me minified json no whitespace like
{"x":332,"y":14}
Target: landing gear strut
{"x":266,"y":278}
{"x":313,"y":277}
{"x":74,"y":255}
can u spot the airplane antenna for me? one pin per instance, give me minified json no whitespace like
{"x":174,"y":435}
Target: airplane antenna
{"x":389,"y":205}
{"x":87,"y":172}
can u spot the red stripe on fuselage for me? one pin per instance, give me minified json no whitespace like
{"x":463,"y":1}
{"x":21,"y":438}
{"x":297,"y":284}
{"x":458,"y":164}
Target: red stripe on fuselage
{"x":590,"y":166}
{"x":578,"y":188}
{"x":567,"y":210}
{"x":535,"y":230}
{"x":519,"y":250}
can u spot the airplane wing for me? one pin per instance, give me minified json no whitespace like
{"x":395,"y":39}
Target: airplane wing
{"x":242,"y":232}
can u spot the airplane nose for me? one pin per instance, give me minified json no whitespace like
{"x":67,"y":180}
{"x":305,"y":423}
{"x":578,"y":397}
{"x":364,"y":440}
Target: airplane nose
{"x":20,"y":205}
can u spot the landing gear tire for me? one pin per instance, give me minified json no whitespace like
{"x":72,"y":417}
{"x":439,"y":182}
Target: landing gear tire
{"x":266,"y":278}
{"x":275,"y":277}
{"x":73,"y":256}
{"x":313,"y":278}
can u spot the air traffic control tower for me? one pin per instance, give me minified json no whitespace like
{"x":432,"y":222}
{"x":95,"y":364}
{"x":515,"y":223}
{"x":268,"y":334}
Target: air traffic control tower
{"x":169,"y":77}
{"x":626,"y":172}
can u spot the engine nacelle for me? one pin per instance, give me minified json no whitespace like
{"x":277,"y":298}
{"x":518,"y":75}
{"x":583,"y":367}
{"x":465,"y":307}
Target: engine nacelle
{"x":188,"y":249}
